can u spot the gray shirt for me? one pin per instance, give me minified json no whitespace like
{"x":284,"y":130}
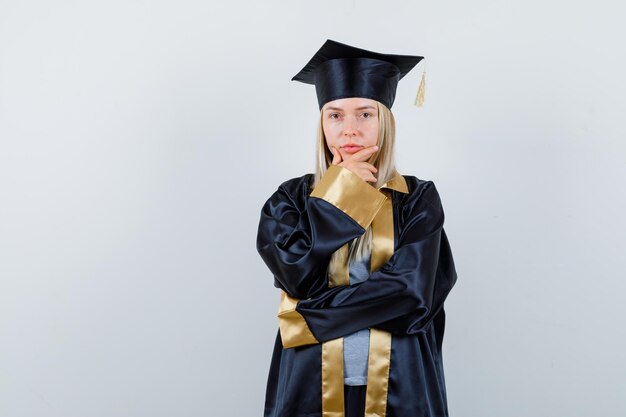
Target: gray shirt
{"x":356,"y":345}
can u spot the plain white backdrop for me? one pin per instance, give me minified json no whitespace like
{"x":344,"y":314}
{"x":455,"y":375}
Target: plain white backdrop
{"x":139,"y":140}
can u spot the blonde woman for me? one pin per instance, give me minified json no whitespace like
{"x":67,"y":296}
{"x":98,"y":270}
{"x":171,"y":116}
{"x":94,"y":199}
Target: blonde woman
{"x":360,"y":256}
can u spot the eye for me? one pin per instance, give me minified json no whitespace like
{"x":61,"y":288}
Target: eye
{"x":333,"y":115}
{"x":367,"y":115}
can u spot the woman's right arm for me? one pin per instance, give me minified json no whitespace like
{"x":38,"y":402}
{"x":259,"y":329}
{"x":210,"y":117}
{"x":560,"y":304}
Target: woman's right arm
{"x":298,"y":234}
{"x":403,"y":296}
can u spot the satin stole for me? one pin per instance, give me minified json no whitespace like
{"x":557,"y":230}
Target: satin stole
{"x":380,"y":341}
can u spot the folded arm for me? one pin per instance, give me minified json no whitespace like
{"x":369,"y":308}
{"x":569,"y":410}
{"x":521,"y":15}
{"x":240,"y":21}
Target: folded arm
{"x":402,"y":296}
{"x":297,"y":234}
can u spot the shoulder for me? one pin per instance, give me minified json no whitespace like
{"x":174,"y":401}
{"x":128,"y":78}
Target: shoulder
{"x":297,"y":183}
{"x":292,"y":191}
{"x":421,"y":210}
{"x":421,"y":191}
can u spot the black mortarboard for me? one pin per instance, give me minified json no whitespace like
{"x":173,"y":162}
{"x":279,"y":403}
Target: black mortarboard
{"x":339,"y":71}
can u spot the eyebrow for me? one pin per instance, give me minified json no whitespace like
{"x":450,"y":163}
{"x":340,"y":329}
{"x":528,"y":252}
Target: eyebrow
{"x":358,"y":108}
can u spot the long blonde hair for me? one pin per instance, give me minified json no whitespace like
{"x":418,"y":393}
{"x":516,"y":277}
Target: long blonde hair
{"x":383,"y":160}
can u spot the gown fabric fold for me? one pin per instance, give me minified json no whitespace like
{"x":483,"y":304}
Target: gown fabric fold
{"x":299,"y":229}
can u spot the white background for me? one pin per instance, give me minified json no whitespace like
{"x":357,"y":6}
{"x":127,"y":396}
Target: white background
{"x":139,"y":140}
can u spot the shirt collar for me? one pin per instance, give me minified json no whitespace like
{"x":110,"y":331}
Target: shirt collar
{"x":398,"y":183}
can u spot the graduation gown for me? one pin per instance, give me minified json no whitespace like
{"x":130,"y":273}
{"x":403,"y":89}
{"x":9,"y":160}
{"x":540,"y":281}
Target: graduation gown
{"x":402,"y":301}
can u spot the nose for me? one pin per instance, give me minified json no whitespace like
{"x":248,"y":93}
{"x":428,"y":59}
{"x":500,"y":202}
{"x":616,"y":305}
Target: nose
{"x":350,"y":127}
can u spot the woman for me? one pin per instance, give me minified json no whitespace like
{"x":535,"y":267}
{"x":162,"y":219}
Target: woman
{"x":361,"y":257}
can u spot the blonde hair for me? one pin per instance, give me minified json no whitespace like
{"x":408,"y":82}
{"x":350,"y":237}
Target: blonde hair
{"x":383,"y":160}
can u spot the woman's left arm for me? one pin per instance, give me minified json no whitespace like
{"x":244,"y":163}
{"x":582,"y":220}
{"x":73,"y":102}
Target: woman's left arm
{"x":402,"y":296}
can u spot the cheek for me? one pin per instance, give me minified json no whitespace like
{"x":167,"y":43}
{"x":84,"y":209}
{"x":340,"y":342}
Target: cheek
{"x":372,"y":134}
{"x":330,"y":138}
{"x":331,"y":132}
{"x":331,"y":128}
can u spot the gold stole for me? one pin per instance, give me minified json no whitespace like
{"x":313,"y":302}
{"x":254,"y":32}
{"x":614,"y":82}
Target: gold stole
{"x":380,"y":340}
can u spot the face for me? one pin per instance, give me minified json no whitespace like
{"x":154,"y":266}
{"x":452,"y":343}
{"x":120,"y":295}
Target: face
{"x":350,"y":124}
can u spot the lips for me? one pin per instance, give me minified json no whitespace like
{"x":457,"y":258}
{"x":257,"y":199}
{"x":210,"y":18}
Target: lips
{"x":352,"y":149}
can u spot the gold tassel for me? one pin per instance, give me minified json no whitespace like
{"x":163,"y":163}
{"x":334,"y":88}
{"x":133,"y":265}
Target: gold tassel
{"x":419,"y":99}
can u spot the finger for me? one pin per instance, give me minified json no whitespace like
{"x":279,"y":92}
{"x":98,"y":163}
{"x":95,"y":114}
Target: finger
{"x":371,"y":167}
{"x":336,"y":155}
{"x":344,"y":155}
{"x":366,"y":165}
{"x":369,"y":177}
{"x":365,"y":153}
{"x":363,"y":171}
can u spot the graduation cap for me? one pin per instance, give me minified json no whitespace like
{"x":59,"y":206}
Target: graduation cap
{"x":339,"y":71}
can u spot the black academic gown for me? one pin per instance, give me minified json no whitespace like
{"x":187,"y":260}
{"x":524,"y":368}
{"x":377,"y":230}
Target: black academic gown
{"x":299,"y":230}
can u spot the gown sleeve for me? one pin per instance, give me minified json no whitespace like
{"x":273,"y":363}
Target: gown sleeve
{"x":402,"y":296}
{"x":298,"y":233}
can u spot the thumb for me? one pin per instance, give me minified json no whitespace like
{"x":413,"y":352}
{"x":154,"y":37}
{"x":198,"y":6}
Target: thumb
{"x":336,"y":156}
{"x":344,"y":155}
